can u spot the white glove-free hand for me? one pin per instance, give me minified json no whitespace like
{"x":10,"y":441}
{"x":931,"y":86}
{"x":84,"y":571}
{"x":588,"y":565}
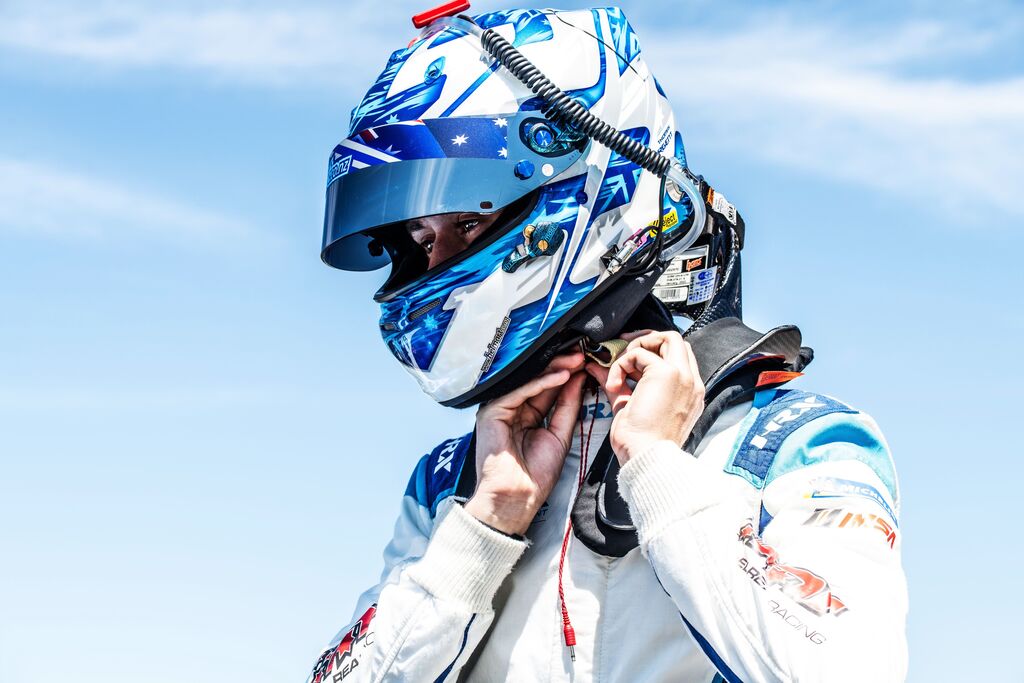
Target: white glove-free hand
{"x":666,"y":400}
{"x":518,"y":455}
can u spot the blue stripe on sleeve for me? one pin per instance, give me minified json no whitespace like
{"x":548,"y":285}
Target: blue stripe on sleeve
{"x":723,"y":668}
{"x":465,"y":639}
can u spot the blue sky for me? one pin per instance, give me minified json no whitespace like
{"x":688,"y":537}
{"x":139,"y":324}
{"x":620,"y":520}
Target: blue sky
{"x":203,"y":441}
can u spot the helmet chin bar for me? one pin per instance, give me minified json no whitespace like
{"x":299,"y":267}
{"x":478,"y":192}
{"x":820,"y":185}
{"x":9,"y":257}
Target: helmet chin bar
{"x":561,"y":106}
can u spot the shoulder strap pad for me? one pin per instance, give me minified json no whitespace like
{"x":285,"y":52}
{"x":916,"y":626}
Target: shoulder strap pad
{"x":780,"y":414}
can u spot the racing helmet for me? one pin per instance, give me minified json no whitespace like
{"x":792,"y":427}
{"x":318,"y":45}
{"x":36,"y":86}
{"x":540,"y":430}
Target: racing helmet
{"x":582,"y":234}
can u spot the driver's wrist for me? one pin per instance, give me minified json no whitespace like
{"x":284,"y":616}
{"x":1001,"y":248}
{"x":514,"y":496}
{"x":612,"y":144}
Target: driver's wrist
{"x":509,"y":515}
{"x":636,"y":445}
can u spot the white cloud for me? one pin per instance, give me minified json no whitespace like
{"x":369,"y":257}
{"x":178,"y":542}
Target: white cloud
{"x":847,"y":107}
{"x":266,"y":45}
{"x":42,"y":200}
{"x":883,"y":104}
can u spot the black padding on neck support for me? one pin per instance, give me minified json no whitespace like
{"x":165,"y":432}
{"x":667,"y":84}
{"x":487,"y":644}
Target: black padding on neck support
{"x":722,"y":346}
{"x":600,"y":518}
{"x":730,"y":357}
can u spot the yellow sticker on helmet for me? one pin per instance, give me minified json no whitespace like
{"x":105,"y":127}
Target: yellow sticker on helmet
{"x":669,"y":220}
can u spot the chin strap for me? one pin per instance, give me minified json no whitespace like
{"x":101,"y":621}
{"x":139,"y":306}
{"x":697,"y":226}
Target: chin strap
{"x":603,"y":353}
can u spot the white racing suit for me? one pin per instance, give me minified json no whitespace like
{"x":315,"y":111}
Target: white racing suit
{"x":770,"y":554}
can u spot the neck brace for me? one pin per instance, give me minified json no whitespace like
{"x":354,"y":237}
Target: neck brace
{"x":730,"y":357}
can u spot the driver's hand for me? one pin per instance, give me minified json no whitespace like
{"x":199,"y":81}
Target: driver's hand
{"x":518,"y":456}
{"x":667,"y":396}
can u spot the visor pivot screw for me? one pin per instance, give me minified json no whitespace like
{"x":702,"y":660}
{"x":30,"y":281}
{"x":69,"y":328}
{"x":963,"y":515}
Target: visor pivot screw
{"x":524,"y":169}
{"x":542,"y":136}
{"x":582,"y":198}
{"x":673,"y":191}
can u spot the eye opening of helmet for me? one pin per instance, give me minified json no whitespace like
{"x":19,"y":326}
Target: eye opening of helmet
{"x":409,"y":260}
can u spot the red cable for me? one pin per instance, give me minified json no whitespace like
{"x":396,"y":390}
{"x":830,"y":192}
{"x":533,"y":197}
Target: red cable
{"x":567,"y":631}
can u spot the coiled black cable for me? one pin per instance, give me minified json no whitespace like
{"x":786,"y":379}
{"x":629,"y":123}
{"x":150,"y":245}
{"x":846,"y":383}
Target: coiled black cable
{"x":562,"y":108}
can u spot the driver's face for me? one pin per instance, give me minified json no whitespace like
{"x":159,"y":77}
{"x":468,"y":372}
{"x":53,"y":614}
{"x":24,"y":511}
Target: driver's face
{"x":444,"y":236}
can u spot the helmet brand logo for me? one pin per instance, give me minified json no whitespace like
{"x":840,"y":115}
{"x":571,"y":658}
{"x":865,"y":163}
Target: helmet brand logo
{"x":338,"y":167}
{"x":492,"y":346}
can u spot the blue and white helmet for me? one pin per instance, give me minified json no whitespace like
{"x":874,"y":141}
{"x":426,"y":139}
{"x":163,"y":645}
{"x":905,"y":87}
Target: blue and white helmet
{"x":446,"y":129}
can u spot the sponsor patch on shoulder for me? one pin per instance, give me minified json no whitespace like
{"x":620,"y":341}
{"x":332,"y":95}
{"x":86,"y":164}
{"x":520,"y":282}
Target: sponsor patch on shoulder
{"x":841,"y":518}
{"x":341,"y":659}
{"x":806,"y":588}
{"x":832,"y":487}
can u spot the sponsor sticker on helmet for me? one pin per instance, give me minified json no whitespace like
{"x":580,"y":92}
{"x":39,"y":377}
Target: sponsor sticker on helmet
{"x":668,"y":221}
{"x":721,"y":205}
{"x":674,"y":284}
{"x":338,"y":166}
{"x":702,"y":286}
{"x":492,"y":347}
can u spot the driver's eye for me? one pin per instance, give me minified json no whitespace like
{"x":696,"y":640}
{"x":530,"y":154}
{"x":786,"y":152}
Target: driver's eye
{"x":467,"y":226}
{"x":428,"y":245}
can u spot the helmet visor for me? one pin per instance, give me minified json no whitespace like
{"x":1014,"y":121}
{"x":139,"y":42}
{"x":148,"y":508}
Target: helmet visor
{"x":401,"y":171}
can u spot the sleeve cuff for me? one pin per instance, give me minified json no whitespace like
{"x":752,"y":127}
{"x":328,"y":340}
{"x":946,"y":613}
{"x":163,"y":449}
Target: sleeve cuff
{"x":466,"y":561}
{"x":663,"y":485}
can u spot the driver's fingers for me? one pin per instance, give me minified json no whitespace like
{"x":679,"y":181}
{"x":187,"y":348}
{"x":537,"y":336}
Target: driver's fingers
{"x":598,"y":372}
{"x":534,"y":387}
{"x":668,"y":345}
{"x":573,"y":362}
{"x":630,"y":336}
{"x":566,"y":361}
{"x":617,"y":396}
{"x":620,"y":400}
{"x":542,"y":402}
{"x":567,"y":408}
{"x":692,"y":362}
{"x":632,"y":363}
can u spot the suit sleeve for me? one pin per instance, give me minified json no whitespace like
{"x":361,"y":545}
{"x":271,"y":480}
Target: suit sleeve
{"x":811,"y":588}
{"x":432,"y":606}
